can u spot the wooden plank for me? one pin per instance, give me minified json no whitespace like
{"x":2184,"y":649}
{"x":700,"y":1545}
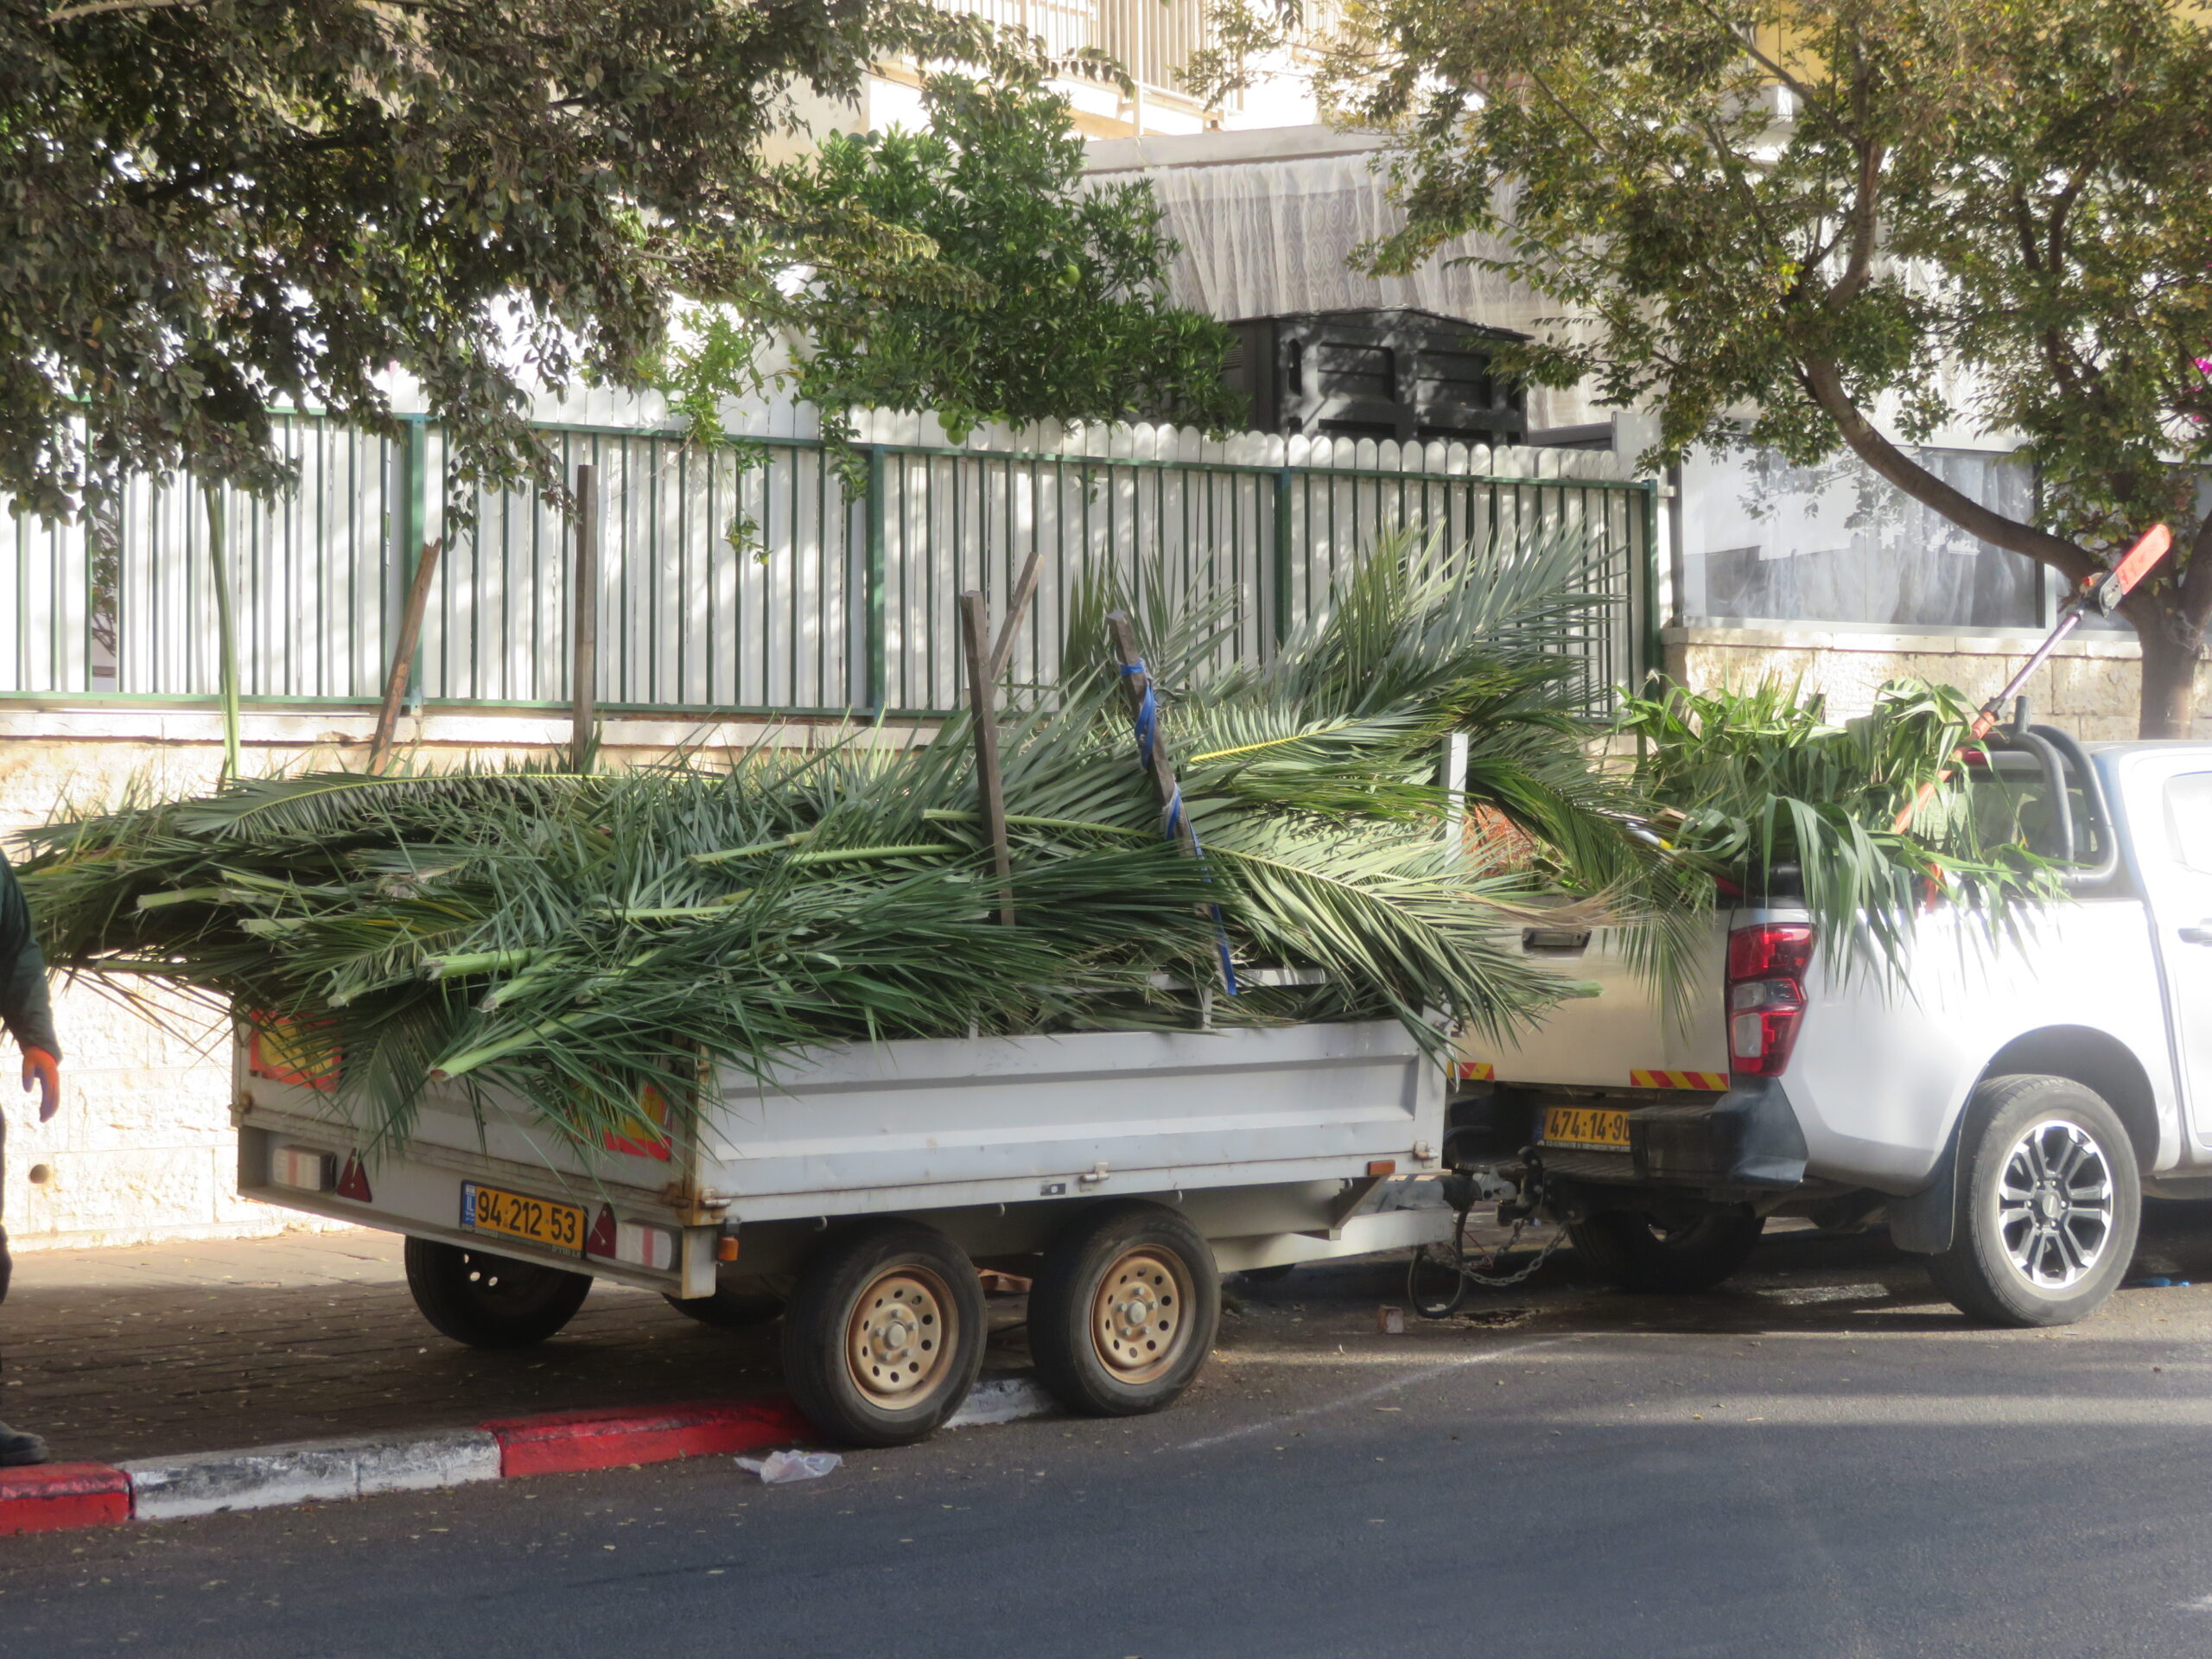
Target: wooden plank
{"x":583,"y":673}
{"x":1135,"y":681}
{"x":403,"y":653}
{"x":982,"y":704}
{"x":1024,"y":589}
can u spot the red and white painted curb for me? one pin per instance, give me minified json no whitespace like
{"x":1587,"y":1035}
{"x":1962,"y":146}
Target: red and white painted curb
{"x":60,"y":1497}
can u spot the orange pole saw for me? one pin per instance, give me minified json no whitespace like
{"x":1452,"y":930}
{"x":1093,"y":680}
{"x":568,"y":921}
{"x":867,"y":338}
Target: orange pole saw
{"x":2100,"y":592}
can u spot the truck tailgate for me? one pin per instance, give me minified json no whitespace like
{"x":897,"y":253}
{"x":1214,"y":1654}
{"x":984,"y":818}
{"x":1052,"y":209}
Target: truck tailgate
{"x":1623,"y":1037}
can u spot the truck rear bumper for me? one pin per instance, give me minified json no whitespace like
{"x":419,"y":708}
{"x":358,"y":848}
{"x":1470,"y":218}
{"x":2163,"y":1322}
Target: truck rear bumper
{"x":1746,"y":1140}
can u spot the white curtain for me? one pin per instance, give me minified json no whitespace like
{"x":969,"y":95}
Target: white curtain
{"x":1765,"y":541}
{"x":1272,"y":239}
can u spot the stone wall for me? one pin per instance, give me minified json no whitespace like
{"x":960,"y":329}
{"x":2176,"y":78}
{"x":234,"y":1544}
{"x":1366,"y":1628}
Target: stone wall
{"x":2089,"y":687}
{"x":142,"y":1149}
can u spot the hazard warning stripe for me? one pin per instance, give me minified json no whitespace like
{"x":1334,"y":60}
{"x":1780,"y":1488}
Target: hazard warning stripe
{"x":1477,"y":1071}
{"x":1678,"y":1080}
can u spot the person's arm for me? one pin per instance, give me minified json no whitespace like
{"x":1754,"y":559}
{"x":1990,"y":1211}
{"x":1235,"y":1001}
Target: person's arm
{"x":25,"y":1004}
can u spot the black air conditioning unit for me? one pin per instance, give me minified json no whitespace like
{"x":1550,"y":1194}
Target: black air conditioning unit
{"x":1399,"y":374}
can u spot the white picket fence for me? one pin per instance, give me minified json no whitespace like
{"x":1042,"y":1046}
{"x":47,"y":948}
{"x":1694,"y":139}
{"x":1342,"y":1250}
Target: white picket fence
{"x":833,"y":599}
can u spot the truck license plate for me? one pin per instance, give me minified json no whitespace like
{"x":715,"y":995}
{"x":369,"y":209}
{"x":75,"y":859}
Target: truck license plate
{"x":1582,"y":1126}
{"x":535,"y":1221}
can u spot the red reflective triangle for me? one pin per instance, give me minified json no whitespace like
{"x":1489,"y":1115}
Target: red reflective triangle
{"x":601,"y":1242}
{"x":354,"y":1182}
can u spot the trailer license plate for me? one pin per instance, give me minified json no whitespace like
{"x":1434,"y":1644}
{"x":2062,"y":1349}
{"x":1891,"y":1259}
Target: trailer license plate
{"x":535,"y":1221}
{"x":1580,"y":1126}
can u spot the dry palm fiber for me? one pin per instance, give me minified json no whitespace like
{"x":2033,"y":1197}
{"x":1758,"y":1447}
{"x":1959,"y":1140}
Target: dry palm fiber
{"x":570,"y":940}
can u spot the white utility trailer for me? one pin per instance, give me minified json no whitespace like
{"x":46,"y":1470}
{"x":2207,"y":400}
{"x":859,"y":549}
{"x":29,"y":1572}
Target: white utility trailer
{"x":859,"y":1193}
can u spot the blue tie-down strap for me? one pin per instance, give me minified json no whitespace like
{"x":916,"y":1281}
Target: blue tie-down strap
{"x":1148,"y":725}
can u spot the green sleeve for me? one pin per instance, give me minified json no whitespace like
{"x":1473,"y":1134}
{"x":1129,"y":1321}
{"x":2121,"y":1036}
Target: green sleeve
{"x":23,"y":1003}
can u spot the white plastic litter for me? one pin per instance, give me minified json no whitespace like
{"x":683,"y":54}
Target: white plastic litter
{"x":781,"y":1468}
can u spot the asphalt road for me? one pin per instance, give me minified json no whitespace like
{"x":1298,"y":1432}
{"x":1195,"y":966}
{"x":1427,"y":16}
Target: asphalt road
{"x":1822,"y":1460}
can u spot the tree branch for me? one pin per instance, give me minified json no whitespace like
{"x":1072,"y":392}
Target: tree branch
{"x":1865,"y":208}
{"x":101,"y":8}
{"x":1824,"y":383}
{"x":2194,"y":585}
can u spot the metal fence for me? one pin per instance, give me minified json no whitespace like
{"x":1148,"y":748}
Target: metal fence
{"x":829,"y":599}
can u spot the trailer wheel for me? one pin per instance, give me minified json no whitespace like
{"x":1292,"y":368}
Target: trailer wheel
{"x":2049,"y":1200}
{"x":488,"y":1301}
{"x":885,"y":1334}
{"x":1124,"y":1309}
{"x":1668,"y":1255}
{"x":730,"y":1308}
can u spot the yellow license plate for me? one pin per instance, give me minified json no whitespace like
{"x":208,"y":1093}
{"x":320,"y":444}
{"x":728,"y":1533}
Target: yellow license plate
{"x":1582,"y":1126}
{"x":512,"y":1215}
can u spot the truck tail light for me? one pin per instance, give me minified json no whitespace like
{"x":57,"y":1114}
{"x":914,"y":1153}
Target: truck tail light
{"x":303,"y":1167}
{"x":1766,"y":995}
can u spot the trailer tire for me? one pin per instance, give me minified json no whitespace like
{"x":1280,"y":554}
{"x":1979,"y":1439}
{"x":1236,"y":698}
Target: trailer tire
{"x":2049,"y":1200}
{"x":1123,"y":1311}
{"x":730,"y":1308}
{"x":488,"y":1300}
{"x":885,"y":1333}
{"x":1646,"y":1253}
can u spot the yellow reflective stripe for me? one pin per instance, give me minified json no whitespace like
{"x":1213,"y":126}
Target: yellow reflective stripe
{"x":1677,"y":1080}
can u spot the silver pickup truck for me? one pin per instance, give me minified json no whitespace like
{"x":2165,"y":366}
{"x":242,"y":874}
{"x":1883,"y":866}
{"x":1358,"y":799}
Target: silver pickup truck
{"x":2002,"y":1103}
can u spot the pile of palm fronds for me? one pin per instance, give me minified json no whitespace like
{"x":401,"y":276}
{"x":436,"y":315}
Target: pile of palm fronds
{"x":575,"y":939}
{"x":1757,"y":790}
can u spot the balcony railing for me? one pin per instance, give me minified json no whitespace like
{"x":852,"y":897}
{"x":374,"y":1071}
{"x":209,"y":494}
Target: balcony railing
{"x":1152,"y":40}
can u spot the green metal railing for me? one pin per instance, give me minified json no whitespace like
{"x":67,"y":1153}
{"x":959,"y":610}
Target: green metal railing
{"x":829,"y":599}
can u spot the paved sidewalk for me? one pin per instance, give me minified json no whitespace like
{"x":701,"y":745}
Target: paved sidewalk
{"x":176,"y":1348}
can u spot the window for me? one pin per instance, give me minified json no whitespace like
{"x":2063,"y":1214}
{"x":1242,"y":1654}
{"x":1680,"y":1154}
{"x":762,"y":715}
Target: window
{"x":2189,"y":821}
{"x":1766,"y":541}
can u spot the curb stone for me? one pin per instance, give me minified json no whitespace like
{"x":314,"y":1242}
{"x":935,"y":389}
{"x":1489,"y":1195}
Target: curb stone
{"x":308,"y":1471}
{"x":60,"y":1497}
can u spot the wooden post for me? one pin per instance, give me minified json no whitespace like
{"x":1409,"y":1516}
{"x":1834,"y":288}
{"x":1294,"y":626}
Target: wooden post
{"x":1024,"y":589}
{"x":982,"y":704}
{"x":1137,"y":684}
{"x":403,"y":652}
{"x":226,"y":639}
{"x":583,"y":672}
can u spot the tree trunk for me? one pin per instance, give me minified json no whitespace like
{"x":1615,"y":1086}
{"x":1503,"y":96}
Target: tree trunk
{"x":2170,"y":649}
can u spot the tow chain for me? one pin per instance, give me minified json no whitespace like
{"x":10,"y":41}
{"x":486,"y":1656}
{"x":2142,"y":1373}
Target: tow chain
{"x":1463,"y":1275}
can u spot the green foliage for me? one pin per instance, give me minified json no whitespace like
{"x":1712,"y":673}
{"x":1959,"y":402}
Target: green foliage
{"x":1030,"y":297}
{"x":1820,"y":223}
{"x":208,"y":209}
{"x":1759,"y":789}
{"x":566,"y":939}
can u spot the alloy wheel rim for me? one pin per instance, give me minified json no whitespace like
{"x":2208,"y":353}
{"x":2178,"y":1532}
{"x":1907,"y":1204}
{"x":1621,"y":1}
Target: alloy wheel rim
{"x":1139,"y":1317}
{"x":2056,"y":1201}
{"x":901,"y":1329}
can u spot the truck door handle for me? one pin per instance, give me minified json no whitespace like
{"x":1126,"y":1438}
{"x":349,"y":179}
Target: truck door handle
{"x":2200,"y":934}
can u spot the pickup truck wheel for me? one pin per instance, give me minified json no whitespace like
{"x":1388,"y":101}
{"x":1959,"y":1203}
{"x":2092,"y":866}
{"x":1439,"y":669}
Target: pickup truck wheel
{"x":885,"y":1334}
{"x":730,"y":1308}
{"x":2050,"y":1199}
{"x":1124,"y":1309}
{"x":488,"y":1301}
{"x":1663,"y":1255}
